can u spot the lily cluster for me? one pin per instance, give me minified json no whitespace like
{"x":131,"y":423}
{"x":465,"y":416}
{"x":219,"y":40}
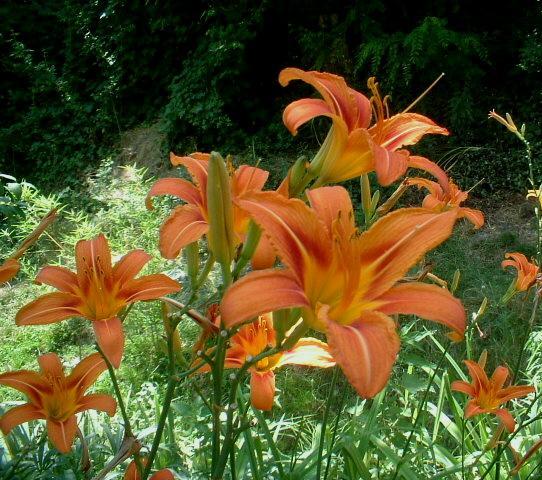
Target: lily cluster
{"x":313,"y":268}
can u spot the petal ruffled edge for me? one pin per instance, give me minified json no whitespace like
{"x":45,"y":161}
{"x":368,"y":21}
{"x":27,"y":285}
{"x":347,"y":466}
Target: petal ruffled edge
{"x":365,"y":350}
{"x":426,"y":301}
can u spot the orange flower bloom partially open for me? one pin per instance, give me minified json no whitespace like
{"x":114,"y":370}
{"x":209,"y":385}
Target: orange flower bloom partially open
{"x":132,"y":473}
{"x":528,"y":272}
{"x":55,"y":397}
{"x":440,"y":200}
{"x":97,"y":291}
{"x":351,"y":148}
{"x":189,"y":222}
{"x":253,"y":339}
{"x":488,"y":394}
{"x":346,"y":283}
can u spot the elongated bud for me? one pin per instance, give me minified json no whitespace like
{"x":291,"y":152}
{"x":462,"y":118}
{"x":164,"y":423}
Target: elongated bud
{"x":220,"y":208}
{"x":297,"y":172}
{"x":191,"y":253}
{"x":171,"y":332}
{"x":249,"y":247}
{"x":33,"y":237}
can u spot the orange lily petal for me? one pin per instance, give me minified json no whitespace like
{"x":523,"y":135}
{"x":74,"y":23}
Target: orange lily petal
{"x":405,"y":129}
{"x":365,"y":350}
{"x":98,"y":401}
{"x":463,"y":387}
{"x":174,"y":186}
{"x":353,"y":107}
{"x":515,"y":391}
{"x":478,"y":375}
{"x":506,"y":418}
{"x":59,"y":277}
{"x":185,"y":225}
{"x":472,"y":408}
{"x":130,"y":265}
{"x":149,"y":287}
{"x":18,"y":415}
{"x":258,"y":293}
{"x":476,"y":217}
{"x":62,"y":434}
{"x":197,"y":165}
{"x":332,"y":204}
{"x":295,"y":230}
{"x":9,"y":269}
{"x":132,"y":473}
{"x":86,"y":372}
{"x":262,"y":390}
{"x":427,"y":165}
{"x":110,"y":338}
{"x":264,"y":255}
{"x":25,"y":381}
{"x":93,"y":256}
{"x":301,"y":111}
{"x":398,"y":241}
{"x":426,"y":301}
{"x":248,"y":178}
{"x":499,"y":377}
{"x":308,"y":351}
{"x":348,"y":158}
{"x":49,"y":308}
{"x":164,"y":474}
{"x":51,"y":366}
{"x":389,"y":165}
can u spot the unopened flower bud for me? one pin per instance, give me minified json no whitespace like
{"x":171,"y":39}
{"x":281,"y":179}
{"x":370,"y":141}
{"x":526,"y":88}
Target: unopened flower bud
{"x":220,"y":207}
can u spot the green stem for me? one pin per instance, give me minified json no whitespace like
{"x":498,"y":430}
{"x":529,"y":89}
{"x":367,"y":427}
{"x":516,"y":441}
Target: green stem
{"x":205,"y":272}
{"x":170,"y":391}
{"x":463,"y":448}
{"x":324,"y":423}
{"x":335,"y":430}
{"x":419,"y":412}
{"x":270,"y":441}
{"x":218,"y":371}
{"x":128,"y":432}
{"x":526,"y":338}
{"x":219,"y":462}
{"x":522,"y":425}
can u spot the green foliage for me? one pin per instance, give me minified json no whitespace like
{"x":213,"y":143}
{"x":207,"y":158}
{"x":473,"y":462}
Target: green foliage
{"x":208,"y":74}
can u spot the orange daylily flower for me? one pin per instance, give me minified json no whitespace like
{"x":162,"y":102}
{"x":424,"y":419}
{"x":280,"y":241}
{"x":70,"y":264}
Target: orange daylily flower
{"x":346,"y":283}
{"x":189,"y":222}
{"x":488,"y":394}
{"x":132,"y":473}
{"x":351,"y":148}
{"x":11,"y":266}
{"x":55,"y":397}
{"x":440,"y":200}
{"x":528,"y":272}
{"x":253,"y":339}
{"x":98,"y":291}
